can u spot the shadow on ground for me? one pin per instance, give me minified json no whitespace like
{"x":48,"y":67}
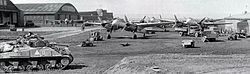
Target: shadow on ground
{"x":219,"y":41}
{"x":193,"y":47}
{"x":147,"y":37}
{"x":75,"y":66}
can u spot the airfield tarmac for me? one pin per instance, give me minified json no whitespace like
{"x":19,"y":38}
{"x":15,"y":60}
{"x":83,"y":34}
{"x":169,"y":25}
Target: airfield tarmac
{"x":105,"y":54}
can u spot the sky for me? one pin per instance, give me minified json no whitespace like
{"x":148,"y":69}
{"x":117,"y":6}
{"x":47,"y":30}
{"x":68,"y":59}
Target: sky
{"x":154,"y":8}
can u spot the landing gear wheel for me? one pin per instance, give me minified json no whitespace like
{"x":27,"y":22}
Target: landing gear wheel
{"x":152,"y":32}
{"x":192,"y":45}
{"x":165,"y":30}
{"x":196,"y":34}
{"x":134,"y":37}
{"x":144,"y":35}
{"x":108,"y":36}
{"x":180,"y":33}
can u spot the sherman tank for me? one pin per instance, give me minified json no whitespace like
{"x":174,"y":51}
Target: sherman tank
{"x":39,"y":56}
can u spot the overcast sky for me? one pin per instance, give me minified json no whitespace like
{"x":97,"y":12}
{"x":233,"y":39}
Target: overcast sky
{"x":167,"y":8}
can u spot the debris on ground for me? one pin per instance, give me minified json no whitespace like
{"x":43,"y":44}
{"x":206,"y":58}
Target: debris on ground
{"x":125,"y":44}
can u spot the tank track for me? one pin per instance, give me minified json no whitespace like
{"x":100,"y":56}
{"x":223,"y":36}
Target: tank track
{"x":18,"y":64}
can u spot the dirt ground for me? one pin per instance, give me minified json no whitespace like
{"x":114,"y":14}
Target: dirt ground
{"x":182,"y":64}
{"x":105,"y":54}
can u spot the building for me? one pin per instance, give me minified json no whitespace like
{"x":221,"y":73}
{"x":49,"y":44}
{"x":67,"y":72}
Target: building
{"x":9,"y":14}
{"x":93,"y":15}
{"x":41,"y":13}
{"x":240,"y":23}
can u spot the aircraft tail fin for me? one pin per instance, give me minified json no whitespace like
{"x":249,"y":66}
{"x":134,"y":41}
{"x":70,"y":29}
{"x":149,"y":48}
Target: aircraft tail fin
{"x":143,"y":19}
{"x":160,"y":17}
{"x":176,"y":18}
{"x":126,"y":19}
{"x":153,"y":18}
{"x":99,"y":18}
{"x":202,"y":20}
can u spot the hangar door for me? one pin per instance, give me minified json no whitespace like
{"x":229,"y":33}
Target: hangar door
{"x":243,"y":26}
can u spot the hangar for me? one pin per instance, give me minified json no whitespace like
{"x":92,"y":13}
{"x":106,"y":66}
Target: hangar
{"x":93,"y":15}
{"x":9,"y":14}
{"x":40,"y":13}
{"x":240,"y":23}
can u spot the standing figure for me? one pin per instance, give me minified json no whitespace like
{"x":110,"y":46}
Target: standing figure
{"x":66,"y":21}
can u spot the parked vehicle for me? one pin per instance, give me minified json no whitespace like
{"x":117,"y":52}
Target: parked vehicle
{"x":188,"y":43}
{"x":29,"y":23}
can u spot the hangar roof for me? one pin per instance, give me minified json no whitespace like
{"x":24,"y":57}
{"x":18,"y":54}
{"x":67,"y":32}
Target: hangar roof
{"x":41,"y":8}
{"x":245,"y":16}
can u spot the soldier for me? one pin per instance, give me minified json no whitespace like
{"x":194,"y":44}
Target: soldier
{"x":66,"y":21}
{"x":27,"y":36}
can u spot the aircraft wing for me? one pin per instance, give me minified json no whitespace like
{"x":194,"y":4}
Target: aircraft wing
{"x":92,"y":23}
{"x":153,"y":24}
{"x":167,"y":20}
{"x":78,"y":21}
{"x":216,"y":23}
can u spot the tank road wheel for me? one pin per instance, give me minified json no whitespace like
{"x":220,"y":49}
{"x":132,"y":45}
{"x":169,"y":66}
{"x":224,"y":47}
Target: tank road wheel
{"x":47,"y":67}
{"x":8,"y":69}
{"x":40,"y":67}
{"x":21,"y":68}
{"x":29,"y":68}
{"x":65,"y":62}
{"x":59,"y":66}
{"x":2,"y":65}
{"x":23,"y":65}
{"x":5,"y":69}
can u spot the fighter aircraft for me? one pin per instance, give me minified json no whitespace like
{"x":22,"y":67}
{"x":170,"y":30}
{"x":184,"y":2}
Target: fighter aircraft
{"x":125,"y":25}
{"x":203,"y":22}
{"x":160,"y":19}
{"x":141,"y":21}
{"x":191,"y":26}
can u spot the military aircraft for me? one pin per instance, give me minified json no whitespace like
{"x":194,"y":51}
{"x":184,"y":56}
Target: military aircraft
{"x":191,"y":26}
{"x":141,"y":21}
{"x":125,"y":25}
{"x":160,"y":19}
